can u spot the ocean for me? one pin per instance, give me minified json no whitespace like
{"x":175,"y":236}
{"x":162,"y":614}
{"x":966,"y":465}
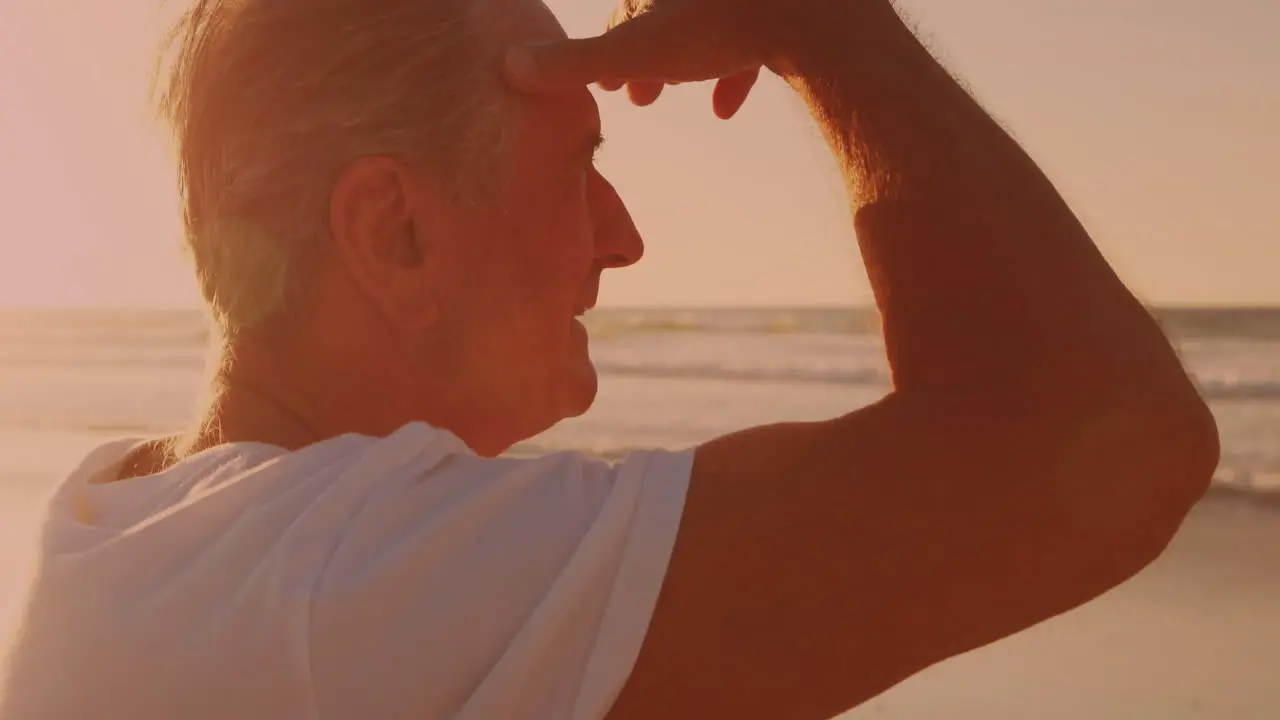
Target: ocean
{"x":668,"y":378}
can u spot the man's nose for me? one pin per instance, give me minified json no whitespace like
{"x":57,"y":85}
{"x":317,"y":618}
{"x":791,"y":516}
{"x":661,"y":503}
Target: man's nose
{"x":618,"y":242}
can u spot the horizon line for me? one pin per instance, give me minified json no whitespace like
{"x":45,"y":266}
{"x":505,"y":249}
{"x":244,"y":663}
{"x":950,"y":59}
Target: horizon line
{"x":128,"y":307}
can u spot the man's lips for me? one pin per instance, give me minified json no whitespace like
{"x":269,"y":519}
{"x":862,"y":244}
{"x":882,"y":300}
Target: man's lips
{"x":589,"y":298}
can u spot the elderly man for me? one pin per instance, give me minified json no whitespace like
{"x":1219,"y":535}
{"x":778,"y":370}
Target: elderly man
{"x":395,"y":218}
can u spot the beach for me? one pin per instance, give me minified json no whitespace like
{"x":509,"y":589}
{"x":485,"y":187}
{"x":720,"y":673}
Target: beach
{"x":1196,"y":635}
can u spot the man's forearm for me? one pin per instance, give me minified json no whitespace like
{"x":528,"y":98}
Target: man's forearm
{"x":983,"y":275}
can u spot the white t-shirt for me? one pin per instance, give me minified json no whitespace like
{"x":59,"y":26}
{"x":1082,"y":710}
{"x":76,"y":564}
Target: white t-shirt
{"x":397,"y":577}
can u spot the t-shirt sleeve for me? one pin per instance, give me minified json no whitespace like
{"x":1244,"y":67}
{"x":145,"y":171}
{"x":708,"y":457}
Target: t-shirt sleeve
{"x":496,"y":588}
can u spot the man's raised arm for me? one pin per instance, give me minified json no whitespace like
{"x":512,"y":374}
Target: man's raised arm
{"x":1042,"y":442}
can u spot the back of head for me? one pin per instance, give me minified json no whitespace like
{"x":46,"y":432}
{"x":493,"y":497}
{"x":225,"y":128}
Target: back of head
{"x":384,"y":231}
{"x":269,"y":99}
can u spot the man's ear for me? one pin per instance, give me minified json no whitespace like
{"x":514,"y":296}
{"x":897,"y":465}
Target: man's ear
{"x":372,"y":211}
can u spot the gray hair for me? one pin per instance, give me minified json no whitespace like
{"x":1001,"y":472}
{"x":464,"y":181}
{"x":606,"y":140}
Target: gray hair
{"x":270,"y":99}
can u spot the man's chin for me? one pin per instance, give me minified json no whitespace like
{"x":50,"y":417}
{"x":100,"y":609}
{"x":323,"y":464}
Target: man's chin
{"x":580,"y":391}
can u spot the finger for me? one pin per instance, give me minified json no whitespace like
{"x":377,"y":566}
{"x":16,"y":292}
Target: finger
{"x":610,"y":85}
{"x":731,"y":92}
{"x":644,"y":93}
{"x":631,"y":51}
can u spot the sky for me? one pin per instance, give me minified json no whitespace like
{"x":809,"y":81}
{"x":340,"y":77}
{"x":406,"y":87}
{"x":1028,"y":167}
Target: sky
{"x":1158,"y":120}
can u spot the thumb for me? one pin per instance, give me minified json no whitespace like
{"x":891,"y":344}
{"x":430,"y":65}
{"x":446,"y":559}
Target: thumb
{"x":639,"y":49}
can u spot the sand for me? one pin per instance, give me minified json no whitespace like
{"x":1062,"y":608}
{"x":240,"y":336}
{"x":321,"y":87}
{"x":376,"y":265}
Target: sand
{"x":1196,"y":635}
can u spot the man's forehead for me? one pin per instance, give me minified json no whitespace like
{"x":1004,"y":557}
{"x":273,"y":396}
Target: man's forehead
{"x":572,"y":116}
{"x":567,"y":126}
{"x":521,"y":21}
{"x":545,"y":24}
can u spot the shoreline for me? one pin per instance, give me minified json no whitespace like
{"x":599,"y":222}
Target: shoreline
{"x":1194,"y":636}
{"x":1266,"y":495}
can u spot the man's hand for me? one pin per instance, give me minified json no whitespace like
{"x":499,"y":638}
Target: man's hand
{"x":654,"y":43}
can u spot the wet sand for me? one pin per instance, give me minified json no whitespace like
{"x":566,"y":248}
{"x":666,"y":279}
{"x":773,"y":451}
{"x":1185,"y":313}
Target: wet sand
{"x":1196,"y":635}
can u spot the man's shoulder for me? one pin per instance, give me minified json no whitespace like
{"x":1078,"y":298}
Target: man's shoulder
{"x":564,"y":488}
{"x":538,"y":574}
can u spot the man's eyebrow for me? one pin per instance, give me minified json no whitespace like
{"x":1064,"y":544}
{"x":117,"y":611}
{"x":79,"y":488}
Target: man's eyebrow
{"x":590,"y":147}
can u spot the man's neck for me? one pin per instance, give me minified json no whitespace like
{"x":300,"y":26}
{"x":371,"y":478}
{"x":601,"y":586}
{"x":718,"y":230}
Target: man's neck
{"x":251,"y":401}
{"x":246,"y":410}
{"x":268,"y":392}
